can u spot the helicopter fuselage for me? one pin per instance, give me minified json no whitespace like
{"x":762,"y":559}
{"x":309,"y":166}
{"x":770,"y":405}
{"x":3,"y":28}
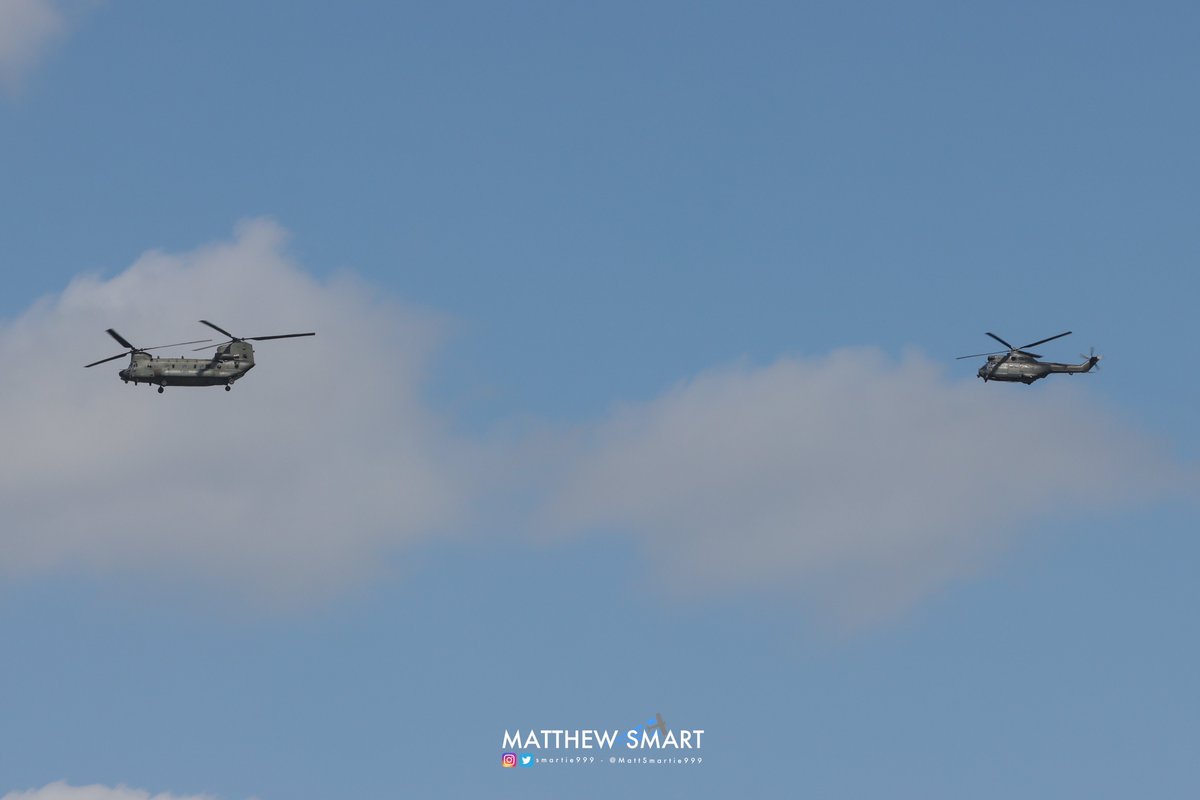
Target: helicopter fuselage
{"x":228,"y":364}
{"x":1023,"y":369}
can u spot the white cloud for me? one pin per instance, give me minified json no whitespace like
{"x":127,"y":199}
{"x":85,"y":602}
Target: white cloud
{"x":60,"y":790}
{"x":318,"y":463}
{"x":860,"y":481}
{"x":27,"y":28}
{"x":857,"y":480}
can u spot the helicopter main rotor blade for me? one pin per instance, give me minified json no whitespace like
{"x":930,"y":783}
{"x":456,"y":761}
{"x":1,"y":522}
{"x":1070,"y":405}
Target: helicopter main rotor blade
{"x":280,"y":336}
{"x":215,"y":328}
{"x":1001,"y":341}
{"x":133,"y":349}
{"x":977,"y":355}
{"x":1043,"y":341}
{"x":103,"y":360}
{"x":996,"y":366}
{"x":120,"y":339}
{"x":177,"y":344}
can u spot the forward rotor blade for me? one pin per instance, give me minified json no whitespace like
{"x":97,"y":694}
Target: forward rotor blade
{"x":978,"y":355}
{"x":215,"y":328}
{"x":120,"y":339}
{"x":1043,"y":341}
{"x":1001,"y":341}
{"x":280,"y":336}
{"x":177,"y":344}
{"x":103,"y":360}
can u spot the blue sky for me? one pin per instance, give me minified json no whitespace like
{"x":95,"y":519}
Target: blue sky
{"x":545,"y":247}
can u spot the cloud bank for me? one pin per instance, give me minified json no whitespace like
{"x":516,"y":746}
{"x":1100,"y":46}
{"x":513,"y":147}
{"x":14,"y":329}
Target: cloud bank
{"x":60,"y":790}
{"x":858,"y":480}
{"x":317,"y":466}
{"x":27,"y":29}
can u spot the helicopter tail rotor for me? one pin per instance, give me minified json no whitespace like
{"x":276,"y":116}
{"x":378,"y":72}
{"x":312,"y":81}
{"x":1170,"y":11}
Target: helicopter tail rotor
{"x":1093,"y":360}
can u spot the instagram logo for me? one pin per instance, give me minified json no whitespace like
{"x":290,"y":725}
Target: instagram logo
{"x":508,"y":760}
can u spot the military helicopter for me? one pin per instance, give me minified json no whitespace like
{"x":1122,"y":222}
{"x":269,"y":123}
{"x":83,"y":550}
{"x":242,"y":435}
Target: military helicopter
{"x":231,"y":361}
{"x":1019,"y":365}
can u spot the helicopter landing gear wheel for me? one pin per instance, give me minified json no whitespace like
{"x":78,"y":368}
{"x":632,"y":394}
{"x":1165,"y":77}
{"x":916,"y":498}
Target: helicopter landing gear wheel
{"x":161,"y":390}
{"x":228,"y":387}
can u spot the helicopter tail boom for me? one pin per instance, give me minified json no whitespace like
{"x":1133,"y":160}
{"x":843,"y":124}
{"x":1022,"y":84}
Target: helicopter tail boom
{"x":1089,"y":363}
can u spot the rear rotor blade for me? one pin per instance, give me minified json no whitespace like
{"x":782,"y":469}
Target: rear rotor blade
{"x":120,"y":339}
{"x":1001,"y":341}
{"x":280,"y":336}
{"x":215,"y":328}
{"x":103,"y":360}
{"x":1043,"y":341}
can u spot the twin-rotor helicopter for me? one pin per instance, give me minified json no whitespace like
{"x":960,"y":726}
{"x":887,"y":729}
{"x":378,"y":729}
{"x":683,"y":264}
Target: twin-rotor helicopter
{"x":1017,"y":364}
{"x":229,"y":363}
